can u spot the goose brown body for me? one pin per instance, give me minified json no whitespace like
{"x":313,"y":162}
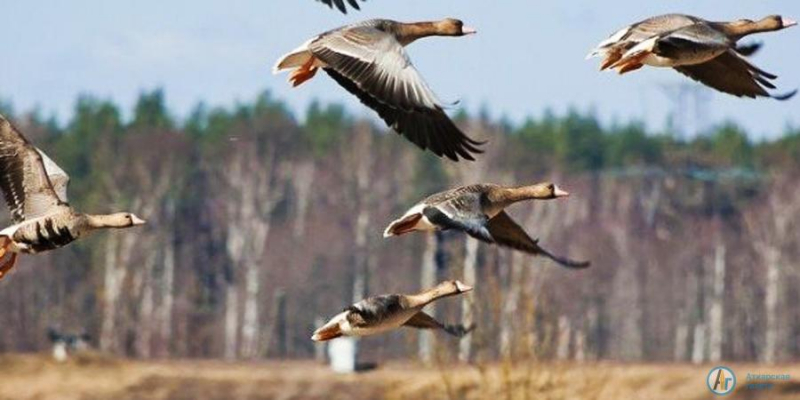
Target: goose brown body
{"x":705,"y":51}
{"x":368,"y":59}
{"x":383,"y":313}
{"x":478,"y":210}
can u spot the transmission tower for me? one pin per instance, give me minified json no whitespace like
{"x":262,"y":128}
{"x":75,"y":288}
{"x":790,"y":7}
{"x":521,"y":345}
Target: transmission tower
{"x":688,"y":116}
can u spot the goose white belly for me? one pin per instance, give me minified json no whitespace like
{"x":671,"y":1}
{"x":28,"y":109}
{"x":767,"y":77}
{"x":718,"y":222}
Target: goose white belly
{"x":655,"y":60}
{"x":395,"y":321}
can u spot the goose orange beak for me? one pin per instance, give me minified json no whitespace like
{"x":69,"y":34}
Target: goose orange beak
{"x":787,"y":22}
{"x":468,"y":31}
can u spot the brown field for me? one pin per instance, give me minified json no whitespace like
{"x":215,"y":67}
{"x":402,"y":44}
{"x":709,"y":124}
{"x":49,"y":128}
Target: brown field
{"x":96,"y":377}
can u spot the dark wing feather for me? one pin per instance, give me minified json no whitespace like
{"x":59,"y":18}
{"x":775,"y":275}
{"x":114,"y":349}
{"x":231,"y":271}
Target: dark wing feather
{"x":694,"y":39}
{"x":475,"y":227}
{"x":732,"y":74}
{"x":341,"y":5}
{"x":501,"y":230}
{"x":421,"y":320}
{"x":748,"y":49}
{"x":506,"y":232}
{"x":24,"y":181}
{"x":374,"y":310}
{"x":467,"y":190}
{"x":372,"y":65}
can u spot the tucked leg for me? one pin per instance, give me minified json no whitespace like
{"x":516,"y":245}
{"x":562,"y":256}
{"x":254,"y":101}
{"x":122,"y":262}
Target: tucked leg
{"x":4,"y":243}
{"x":629,"y":68}
{"x":403,"y":226}
{"x":8,"y":265}
{"x":304,"y":73}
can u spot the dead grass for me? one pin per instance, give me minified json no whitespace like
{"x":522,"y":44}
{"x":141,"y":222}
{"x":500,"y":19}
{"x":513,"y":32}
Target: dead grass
{"x":94,"y":377}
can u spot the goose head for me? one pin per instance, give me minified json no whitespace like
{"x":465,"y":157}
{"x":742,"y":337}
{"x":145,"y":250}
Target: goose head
{"x":767,"y":24}
{"x":116,"y":220}
{"x":453,"y":27}
{"x":454,"y":287}
{"x":548,"y":190}
{"x":775,"y":22}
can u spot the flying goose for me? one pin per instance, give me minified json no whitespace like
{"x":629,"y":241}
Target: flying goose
{"x":702,"y":50}
{"x":383,"y":313}
{"x":340,"y":4}
{"x":35,"y":189}
{"x":478,"y":210}
{"x":369,"y":60}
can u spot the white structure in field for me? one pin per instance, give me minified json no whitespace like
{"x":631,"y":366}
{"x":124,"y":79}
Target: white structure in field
{"x":343,"y":354}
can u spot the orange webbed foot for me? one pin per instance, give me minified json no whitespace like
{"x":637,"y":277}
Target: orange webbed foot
{"x":304,"y":73}
{"x":8,"y":265}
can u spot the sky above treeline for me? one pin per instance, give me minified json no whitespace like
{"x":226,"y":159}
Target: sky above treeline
{"x":527,"y":57}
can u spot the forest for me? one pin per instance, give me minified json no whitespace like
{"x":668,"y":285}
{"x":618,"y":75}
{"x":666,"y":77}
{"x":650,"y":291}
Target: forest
{"x":262,"y":222}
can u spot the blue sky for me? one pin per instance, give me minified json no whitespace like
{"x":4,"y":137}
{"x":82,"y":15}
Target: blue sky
{"x":528,"y":55}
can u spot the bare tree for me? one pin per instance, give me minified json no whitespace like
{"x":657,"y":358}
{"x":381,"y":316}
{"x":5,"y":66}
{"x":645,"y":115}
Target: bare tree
{"x":770,"y":230}
{"x":249,"y":180}
{"x":431,"y":259}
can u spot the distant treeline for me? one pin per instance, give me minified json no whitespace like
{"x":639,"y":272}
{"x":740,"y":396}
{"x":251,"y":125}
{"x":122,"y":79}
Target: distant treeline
{"x":572,"y":142}
{"x":259,"y":223}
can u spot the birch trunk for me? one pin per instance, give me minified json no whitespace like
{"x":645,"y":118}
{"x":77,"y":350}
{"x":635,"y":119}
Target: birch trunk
{"x":467,"y":302}
{"x":144,"y":336}
{"x":564,"y":335}
{"x":250,"y":325}
{"x":119,"y":249}
{"x":110,"y":295}
{"x":698,"y":307}
{"x":511,"y":305}
{"x":428,"y":279}
{"x":772,"y":259}
{"x":716,"y":311}
{"x":231,"y":321}
{"x":167,"y":297}
{"x":681,"y":338}
{"x":302,"y":180}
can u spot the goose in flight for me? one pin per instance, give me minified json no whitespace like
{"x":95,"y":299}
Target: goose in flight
{"x":35,"y":189}
{"x":383,"y":313}
{"x":368,"y":59}
{"x":705,"y":51}
{"x":478,"y":210}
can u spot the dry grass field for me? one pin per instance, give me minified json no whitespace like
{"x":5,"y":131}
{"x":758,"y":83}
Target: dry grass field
{"x":95,"y":377}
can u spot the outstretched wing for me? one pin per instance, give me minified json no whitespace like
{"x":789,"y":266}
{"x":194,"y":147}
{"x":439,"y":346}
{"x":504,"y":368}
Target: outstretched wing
{"x":421,"y":320}
{"x":372,"y":65}
{"x":731,"y":73}
{"x":374,"y":310}
{"x":58,"y":178}
{"x":501,"y":230}
{"x":508,"y":233}
{"x":24,"y":180}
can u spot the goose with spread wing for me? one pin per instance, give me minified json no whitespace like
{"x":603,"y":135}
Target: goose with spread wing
{"x":383,"y":313}
{"x":35,"y":189}
{"x":369,"y":60}
{"x":705,"y":51}
{"x":478,"y":210}
{"x":340,"y":4}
